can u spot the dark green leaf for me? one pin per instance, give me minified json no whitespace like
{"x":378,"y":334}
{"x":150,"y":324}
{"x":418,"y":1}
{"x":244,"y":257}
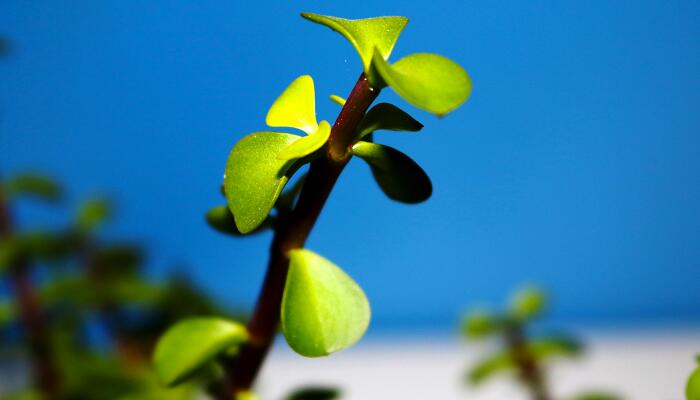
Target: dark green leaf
{"x":399,"y":177}
{"x":428,"y":81}
{"x":191,"y":343}
{"x":93,"y":214}
{"x":255,"y":177}
{"x":34,"y":185}
{"x":323,"y":309}
{"x":315,"y":393}
{"x":385,"y":116}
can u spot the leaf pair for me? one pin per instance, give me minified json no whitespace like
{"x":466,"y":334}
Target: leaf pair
{"x":261,"y":163}
{"x":428,"y":81}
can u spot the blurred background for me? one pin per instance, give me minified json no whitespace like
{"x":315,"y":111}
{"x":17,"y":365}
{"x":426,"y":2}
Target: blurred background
{"x":575,"y":163}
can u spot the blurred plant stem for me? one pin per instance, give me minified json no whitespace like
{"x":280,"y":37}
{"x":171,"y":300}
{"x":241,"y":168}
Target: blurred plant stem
{"x":529,"y":371}
{"x":291,"y":233}
{"x":41,"y":356}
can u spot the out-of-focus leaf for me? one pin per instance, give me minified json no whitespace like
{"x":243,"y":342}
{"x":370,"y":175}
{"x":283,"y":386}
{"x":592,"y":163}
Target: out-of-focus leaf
{"x":337,"y":99}
{"x":247,"y":395}
{"x":554,"y":346}
{"x":490,"y":366}
{"x":117,"y":259}
{"x":365,"y":35}
{"x":323,"y":309}
{"x":692,"y":389}
{"x":44,"y":245}
{"x":8,"y":314}
{"x":9,"y":249}
{"x":191,"y":343}
{"x":26,"y":394}
{"x":528,"y":303}
{"x":596,"y":396}
{"x":221,"y":219}
{"x":67,"y":289}
{"x":33,"y":185}
{"x":428,"y":81}
{"x":479,"y":324}
{"x":255,"y":177}
{"x":287,"y":198}
{"x":398,"y":176}
{"x":385,"y":116}
{"x":315,"y":393}
{"x":306,"y":145}
{"x":93,"y":213}
{"x":296,"y":107}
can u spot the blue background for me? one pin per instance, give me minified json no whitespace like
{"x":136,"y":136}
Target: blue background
{"x":575,"y":163}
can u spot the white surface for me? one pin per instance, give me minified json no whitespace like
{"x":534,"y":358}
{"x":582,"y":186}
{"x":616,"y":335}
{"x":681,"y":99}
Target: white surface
{"x":650,"y":366}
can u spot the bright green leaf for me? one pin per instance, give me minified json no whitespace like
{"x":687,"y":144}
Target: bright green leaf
{"x":490,"y":366}
{"x":528,"y":303}
{"x":306,"y":145}
{"x":337,"y":99}
{"x":399,"y":177}
{"x":33,"y":185}
{"x":385,"y":116}
{"x":221,"y":219}
{"x":247,"y":395}
{"x":93,"y":213}
{"x":323,"y":309}
{"x":692,"y":389}
{"x":315,"y":393}
{"x":555,"y":346}
{"x":191,"y":343}
{"x":428,"y":81}
{"x":255,"y":177}
{"x":479,"y":324}
{"x":365,"y":34}
{"x":296,"y":107}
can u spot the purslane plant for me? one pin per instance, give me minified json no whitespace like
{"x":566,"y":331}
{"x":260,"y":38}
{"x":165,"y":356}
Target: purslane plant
{"x":320,"y":308}
{"x":520,"y":354}
{"x":692,"y":388}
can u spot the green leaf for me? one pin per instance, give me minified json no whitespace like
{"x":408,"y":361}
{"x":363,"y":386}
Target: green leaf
{"x":398,"y":176}
{"x":255,"y":177}
{"x":286,"y":200}
{"x":296,"y":107}
{"x":692,"y":389}
{"x":337,"y":99}
{"x":490,"y":366}
{"x":385,"y":116}
{"x":191,"y":343}
{"x":323,"y":309}
{"x":596,"y":396}
{"x":306,"y":145}
{"x":528,"y":303}
{"x":221,"y":219}
{"x":93,"y":213}
{"x":34,"y":185}
{"x":479,"y":324}
{"x":365,"y":35}
{"x":247,"y":395}
{"x":554,"y":346}
{"x":315,"y":393}
{"x":8,"y":314}
{"x":428,"y":81}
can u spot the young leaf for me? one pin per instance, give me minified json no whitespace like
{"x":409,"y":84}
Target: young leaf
{"x":323,"y":309}
{"x":93,"y":213}
{"x":398,"y":176}
{"x":315,"y":393}
{"x":479,"y":324}
{"x":247,"y":395}
{"x":306,"y":145}
{"x":387,"y":117}
{"x":365,"y":35}
{"x":296,"y":107}
{"x":490,"y":366}
{"x":191,"y":343}
{"x":221,"y":219}
{"x":528,"y":303}
{"x":337,"y":99}
{"x":692,"y":389}
{"x":34,"y":185}
{"x":428,"y":81}
{"x":555,"y":346}
{"x":255,"y":177}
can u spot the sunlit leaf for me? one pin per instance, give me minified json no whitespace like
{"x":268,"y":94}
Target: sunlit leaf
{"x":221,"y":219}
{"x":315,"y":393}
{"x":398,"y":176}
{"x":191,"y":343}
{"x":255,"y":177}
{"x":337,"y":99}
{"x":692,"y":389}
{"x":479,"y":324}
{"x":246,"y":395}
{"x":306,"y":145}
{"x":490,"y":366}
{"x":385,"y":116}
{"x":296,"y":107}
{"x":323,"y":309}
{"x":34,"y":185}
{"x":365,"y":34}
{"x":93,"y":213}
{"x":528,"y":303}
{"x":554,"y":346}
{"x":428,"y":81}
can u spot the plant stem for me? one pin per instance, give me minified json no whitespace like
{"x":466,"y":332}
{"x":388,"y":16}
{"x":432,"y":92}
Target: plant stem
{"x":529,"y":370}
{"x":44,"y":370}
{"x":292,"y":233}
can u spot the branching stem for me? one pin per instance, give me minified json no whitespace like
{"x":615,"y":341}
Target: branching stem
{"x":529,"y":371}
